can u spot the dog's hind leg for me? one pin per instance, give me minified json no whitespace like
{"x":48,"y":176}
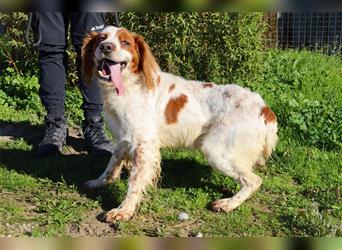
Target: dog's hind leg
{"x":250,"y":182}
{"x":228,"y":158}
{"x":113,"y":168}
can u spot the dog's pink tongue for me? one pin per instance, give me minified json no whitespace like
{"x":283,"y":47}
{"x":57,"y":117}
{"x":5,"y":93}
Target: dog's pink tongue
{"x":115,"y":74}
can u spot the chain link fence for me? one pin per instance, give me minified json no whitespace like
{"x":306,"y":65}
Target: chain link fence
{"x":319,"y":31}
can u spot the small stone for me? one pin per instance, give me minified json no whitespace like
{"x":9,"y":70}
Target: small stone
{"x":182,"y":216}
{"x":199,"y":234}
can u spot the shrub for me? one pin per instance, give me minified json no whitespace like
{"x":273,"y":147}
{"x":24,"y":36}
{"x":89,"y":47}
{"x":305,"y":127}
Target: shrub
{"x":220,"y":47}
{"x":13,"y":50}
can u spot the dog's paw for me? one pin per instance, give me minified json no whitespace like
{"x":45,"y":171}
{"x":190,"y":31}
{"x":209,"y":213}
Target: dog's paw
{"x":117,"y":214}
{"x":222,"y":205}
{"x":92,"y":184}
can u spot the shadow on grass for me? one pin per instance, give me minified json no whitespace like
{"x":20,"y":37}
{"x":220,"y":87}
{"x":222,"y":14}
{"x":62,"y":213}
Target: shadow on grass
{"x":31,"y":134}
{"x":75,"y":169}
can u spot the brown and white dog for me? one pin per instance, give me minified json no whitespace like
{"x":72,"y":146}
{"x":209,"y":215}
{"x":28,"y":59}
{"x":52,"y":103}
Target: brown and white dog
{"x":147,"y":109}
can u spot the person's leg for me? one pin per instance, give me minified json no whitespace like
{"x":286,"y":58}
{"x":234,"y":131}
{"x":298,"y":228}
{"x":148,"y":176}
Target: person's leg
{"x":81,"y":24}
{"x":97,"y":143}
{"x":52,"y":78}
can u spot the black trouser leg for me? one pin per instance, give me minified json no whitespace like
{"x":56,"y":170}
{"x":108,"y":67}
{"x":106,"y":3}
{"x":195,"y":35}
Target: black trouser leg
{"x":52,"y":78}
{"x":52,"y":59}
{"x":81,"y":24}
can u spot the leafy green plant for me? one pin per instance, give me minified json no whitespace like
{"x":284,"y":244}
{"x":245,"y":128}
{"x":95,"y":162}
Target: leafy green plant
{"x":313,"y":122}
{"x":19,"y":91}
{"x":305,"y":91}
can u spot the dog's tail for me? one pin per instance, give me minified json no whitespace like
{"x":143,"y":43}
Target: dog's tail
{"x":271,"y":139}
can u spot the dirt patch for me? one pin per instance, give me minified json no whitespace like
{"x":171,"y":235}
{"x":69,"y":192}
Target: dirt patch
{"x":17,"y":218}
{"x":91,"y":226}
{"x":75,"y":143}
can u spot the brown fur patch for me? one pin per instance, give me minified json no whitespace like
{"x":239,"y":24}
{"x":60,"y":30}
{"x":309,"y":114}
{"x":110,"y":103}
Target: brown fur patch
{"x":172,"y":87}
{"x":158,"y":80}
{"x":125,"y":35}
{"x":207,"y":85}
{"x":173,"y":107}
{"x":131,"y":47}
{"x":268,"y":115}
{"x":147,"y":62}
{"x":90,"y":43}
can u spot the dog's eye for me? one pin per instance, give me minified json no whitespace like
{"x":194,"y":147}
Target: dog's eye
{"x":102,"y":37}
{"x":125,"y":43}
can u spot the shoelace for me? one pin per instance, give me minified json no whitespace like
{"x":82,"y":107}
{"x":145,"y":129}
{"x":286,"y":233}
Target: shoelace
{"x":96,"y":134}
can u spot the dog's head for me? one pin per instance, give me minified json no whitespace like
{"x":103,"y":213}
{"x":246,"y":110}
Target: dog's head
{"x":114,"y":54}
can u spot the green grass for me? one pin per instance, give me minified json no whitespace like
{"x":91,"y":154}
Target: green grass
{"x":300,"y":195}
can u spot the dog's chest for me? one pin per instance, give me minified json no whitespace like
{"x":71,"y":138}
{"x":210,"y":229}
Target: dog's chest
{"x":130,"y":115}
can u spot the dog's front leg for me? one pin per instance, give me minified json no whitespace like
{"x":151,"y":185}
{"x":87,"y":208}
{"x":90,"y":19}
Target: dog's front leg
{"x":113,"y":169}
{"x":145,"y":171}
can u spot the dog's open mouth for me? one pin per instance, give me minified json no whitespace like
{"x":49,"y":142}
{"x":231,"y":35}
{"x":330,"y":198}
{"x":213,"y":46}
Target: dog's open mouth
{"x":110,"y":71}
{"x":105,"y":68}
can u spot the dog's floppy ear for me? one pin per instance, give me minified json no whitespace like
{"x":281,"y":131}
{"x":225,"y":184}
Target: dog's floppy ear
{"x":147,"y":62}
{"x":90,"y":43}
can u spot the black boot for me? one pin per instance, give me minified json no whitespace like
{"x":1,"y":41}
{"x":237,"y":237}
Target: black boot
{"x":55,"y":134}
{"x":96,"y":140}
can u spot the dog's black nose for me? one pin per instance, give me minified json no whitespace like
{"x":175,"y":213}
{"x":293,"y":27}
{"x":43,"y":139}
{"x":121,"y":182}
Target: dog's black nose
{"x":106,"y":47}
